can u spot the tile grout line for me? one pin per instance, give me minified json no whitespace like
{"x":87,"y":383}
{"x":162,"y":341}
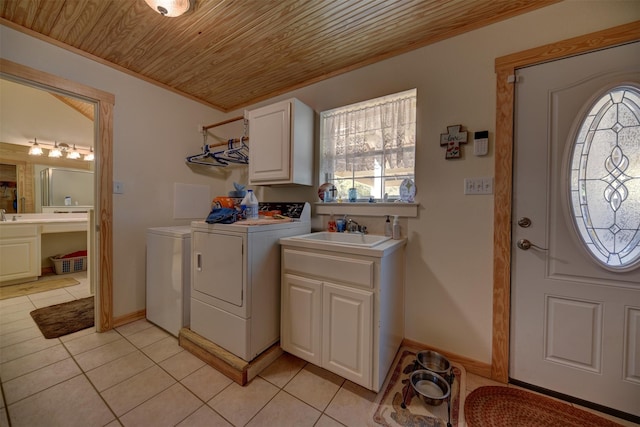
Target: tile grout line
{"x":84,"y":373}
{"x":177,"y":381}
{"x":4,"y":402}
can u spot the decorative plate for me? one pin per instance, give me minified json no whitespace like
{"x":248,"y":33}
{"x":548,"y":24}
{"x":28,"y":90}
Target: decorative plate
{"x":407,"y":190}
{"x":327,"y":187}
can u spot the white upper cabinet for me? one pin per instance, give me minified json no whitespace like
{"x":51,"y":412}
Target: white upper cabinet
{"x":281,"y":141}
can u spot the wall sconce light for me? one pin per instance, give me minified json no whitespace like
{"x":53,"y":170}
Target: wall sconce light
{"x":55,"y":151}
{"x":62,"y":149}
{"x":170,"y":8}
{"x":35,"y":149}
{"x":89,"y":157}
{"x":73,"y":154}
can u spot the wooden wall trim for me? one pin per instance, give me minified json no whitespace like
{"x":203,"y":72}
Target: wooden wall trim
{"x":104,"y":171}
{"x":505,"y":91}
{"x":502,"y":227}
{"x":128,"y":318}
{"x":28,"y":74}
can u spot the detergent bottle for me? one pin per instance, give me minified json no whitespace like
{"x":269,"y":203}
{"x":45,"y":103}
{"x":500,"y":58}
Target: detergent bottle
{"x":250,"y":206}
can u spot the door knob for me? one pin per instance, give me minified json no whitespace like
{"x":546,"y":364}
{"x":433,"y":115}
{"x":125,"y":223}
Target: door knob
{"x":524,"y":222}
{"x":525,"y":245}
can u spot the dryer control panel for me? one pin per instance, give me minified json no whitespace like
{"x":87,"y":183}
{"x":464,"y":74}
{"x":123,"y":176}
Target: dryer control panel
{"x":295,"y":210}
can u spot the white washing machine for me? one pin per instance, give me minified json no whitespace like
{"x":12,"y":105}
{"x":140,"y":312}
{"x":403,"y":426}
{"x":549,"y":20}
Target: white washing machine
{"x":235,"y":287}
{"x":169,"y":277}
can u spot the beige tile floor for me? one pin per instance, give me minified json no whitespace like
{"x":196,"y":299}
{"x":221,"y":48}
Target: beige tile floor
{"x":137,"y":375}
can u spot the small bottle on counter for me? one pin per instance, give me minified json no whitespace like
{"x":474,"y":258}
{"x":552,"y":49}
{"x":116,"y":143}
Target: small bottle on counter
{"x":388,"y":231}
{"x":332,"y":226}
{"x":250,"y":205}
{"x":396,"y":228}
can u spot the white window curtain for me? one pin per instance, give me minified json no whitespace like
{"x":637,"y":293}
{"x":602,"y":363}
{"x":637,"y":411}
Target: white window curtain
{"x":379,"y":135}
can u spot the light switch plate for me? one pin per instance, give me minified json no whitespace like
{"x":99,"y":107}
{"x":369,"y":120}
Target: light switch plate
{"x":118,"y":187}
{"x":475,"y":186}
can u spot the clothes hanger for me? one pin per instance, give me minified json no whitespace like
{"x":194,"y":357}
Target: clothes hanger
{"x":234,"y":154}
{"x":206,"y":158}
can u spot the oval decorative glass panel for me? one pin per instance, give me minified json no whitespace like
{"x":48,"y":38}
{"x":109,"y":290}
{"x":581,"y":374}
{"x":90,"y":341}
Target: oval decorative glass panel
{"x":605,"y":179}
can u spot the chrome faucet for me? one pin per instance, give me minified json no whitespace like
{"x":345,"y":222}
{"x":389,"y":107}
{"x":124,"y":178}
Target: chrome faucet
{"x":353,"y":227}
{"x":3,"y":217}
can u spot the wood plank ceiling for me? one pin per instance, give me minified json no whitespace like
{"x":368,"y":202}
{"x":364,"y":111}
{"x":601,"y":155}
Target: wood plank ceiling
{"x":232,"y":53}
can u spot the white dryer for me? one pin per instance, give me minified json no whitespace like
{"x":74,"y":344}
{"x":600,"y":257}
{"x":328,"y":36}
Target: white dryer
{"x":168,"y":277}
{"x":235,"y":286}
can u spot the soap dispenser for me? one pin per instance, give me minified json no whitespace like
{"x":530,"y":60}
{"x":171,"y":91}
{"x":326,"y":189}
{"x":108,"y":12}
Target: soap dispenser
{"x":388,"y":231}
{"x":332,"y":226}
{"x":396,"y":227}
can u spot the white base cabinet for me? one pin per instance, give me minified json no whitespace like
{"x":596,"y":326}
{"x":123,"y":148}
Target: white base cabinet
{"x":343,"y":312}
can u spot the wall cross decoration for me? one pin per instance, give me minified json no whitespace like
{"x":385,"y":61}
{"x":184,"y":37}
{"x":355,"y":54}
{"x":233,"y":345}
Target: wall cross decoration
{"x":452,"y":140}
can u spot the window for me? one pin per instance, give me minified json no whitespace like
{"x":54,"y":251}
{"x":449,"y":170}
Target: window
{"x":369,"y":146}
{"x":605,"y":179}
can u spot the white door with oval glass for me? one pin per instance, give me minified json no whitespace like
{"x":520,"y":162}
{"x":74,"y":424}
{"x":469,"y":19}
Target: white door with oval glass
{"x":575,"y":314}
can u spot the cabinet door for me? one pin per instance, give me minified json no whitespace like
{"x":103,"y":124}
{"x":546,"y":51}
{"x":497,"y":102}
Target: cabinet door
{"x":347,"y":328}
{"x":19,"y":258}
{"x":301,"y":318}
{"x":270,"y":143}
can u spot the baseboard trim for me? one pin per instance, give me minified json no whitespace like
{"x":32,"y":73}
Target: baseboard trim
{"x":128,"y":318}
{"x":470,"y":365}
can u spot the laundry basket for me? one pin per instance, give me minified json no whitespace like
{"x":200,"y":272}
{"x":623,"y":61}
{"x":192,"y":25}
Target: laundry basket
{"x":65,"y":264}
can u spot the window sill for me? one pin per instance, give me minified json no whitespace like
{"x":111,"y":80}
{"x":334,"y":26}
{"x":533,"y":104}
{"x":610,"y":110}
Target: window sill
{"x":409,"y":210}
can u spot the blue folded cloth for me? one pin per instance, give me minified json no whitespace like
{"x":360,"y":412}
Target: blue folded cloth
{"x":222,"y":216}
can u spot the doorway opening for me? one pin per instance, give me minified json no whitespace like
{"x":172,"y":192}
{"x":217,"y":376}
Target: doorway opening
{"x":100,"y":226}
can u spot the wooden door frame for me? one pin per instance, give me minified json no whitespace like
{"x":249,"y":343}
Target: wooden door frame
{"x":103,"y":168}
{"x":506,"y":67}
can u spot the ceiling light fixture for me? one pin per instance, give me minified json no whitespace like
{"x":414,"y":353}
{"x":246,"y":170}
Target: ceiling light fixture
{"x":170,"y":8}
{"x":73,"y":154}
{"x":89,"y":157}
{"x":55,"y":151}
{"x":35,"y":149}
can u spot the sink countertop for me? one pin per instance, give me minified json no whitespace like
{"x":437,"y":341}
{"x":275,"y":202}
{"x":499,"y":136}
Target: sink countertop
{"x":379,"y":250}
{"x":44,"y":218}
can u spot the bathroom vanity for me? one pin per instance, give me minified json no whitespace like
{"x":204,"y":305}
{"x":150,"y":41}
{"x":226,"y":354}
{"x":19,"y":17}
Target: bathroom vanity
{"x":21,"y":242}
{"x":342,"y":305}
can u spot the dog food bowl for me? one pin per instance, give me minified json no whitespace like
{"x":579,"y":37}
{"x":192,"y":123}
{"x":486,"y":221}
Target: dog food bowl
{"x":431,"y":387}
{"x":434,"y":362}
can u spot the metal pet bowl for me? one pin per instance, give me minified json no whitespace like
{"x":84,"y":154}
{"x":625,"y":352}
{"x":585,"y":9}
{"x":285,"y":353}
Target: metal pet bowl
{"x":431,"y":387}
{"x":434,"y":362}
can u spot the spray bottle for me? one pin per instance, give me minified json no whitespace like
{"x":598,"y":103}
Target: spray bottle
{"x":396,"y":228}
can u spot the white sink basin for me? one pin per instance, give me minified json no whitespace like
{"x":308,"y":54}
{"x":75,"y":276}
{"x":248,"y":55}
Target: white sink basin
{"x":344,"y":239}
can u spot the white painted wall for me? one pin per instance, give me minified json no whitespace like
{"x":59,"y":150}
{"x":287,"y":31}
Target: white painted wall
{"x":29,"y":113}
{"x":154,"y":130}
{"x":449,"y":267}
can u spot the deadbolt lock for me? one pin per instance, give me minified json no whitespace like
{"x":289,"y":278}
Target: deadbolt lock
{"x":524,"y":222}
